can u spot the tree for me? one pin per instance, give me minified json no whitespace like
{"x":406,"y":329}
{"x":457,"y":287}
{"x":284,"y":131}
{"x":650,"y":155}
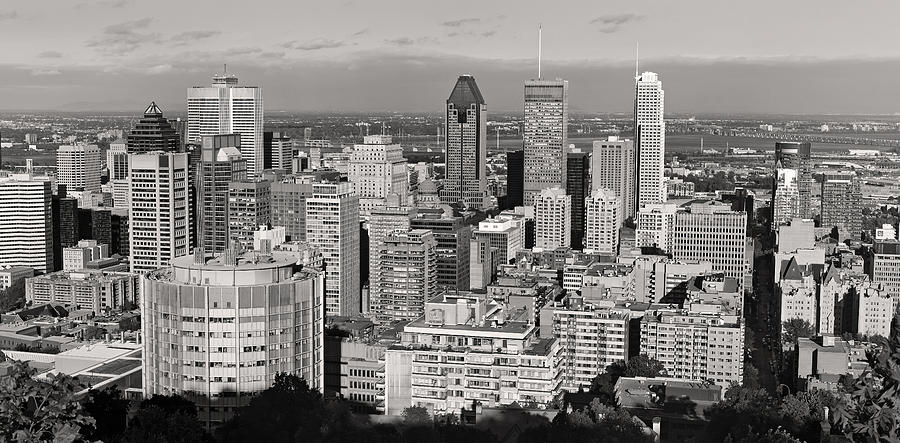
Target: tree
{"x":639,"y":366}
{"x":110,"y":412}
{"x":796,"y":328}
{"x":594,"y":424}
{"x":153,"y":422}
{"x":415,"y":415}
{"x":36,"y":410}
{"x":873,"y":412}
{"x":751,"y":376}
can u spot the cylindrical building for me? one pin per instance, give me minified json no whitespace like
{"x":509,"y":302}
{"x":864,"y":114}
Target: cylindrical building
{"x":218,"y":329}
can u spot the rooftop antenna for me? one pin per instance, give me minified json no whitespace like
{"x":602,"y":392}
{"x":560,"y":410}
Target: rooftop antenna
{"x":540,"y":43}
{"x":225,"y":68}
{"x":637,"y":57}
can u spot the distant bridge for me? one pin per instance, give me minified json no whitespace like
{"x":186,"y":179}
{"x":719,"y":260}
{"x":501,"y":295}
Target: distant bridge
{"x":837,"y":140}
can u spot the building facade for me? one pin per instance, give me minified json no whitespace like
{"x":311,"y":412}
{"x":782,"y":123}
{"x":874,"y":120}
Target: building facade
{"x":466,"y":146}
{"x":406,"y":277}
{"x":332,"y":225}
{"x":249,"y":207}
{"x":153,"y":132}
{"x":26,"y":222}
{"x":220,"y":164}
{"x":612,"y":167}
{"x":88,"y":289}
{"x":602,"y":222}
{"x":378,"y":169}
{"x":545,"y":136}
{"x":842,"y":202}
{"x":553,"y":219}
{"x":78,"y":167}
{"x":578,"y":186}
{"x":650,"y":139}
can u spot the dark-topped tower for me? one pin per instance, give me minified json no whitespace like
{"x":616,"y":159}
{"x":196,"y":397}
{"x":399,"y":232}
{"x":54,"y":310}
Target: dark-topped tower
{"x":153,"y":132}
{"x":466,"y":119}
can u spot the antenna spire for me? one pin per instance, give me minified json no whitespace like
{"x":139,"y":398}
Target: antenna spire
{"x":225,"y":68}
{"x":540,"y":43}
{"x":637,"y":57}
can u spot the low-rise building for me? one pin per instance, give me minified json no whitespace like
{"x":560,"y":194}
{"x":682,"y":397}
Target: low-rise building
{"x":88,"y":289}
{"x":14,"y":274}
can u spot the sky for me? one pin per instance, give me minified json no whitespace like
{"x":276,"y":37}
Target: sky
{"x":713,"y":56}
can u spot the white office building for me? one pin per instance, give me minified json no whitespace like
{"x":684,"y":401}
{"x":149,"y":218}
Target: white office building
{"x":650,"y":127}
{"x":78,"y":167}
{"x":26,"y":222}
{"x":378,"y":169}
{"x":545,"y":136}
{"x":602,"y":221}
{"x":553,"y":219}
{"x":332,"y":226}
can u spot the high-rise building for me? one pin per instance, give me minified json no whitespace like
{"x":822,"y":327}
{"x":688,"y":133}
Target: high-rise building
{"x":26,"y":222}
{"x":650,"y":139}
{"x":702,"y":342}
{"x":505,"y":233}
{"x":220,"y":164}
{"x":612,"y":167}
{"x":713,"y":232}
{"x":152,"y":133}
{"x":786,"y":197}
{"x":842,"y":202}
{"x":65,"y":224}
{"x":656,"y":226}
{"x":226,"y":108}
{"x":382,"y":222}
{"x":78,"y":167}
{"x":466,"y":146}
{"x":159,"y":214}
{"x":553,"y":219}
{"x":796,"y":156}
{"x":289,"y":208}
{"x":278,"y":150}
{"x":544,"y":133}
{"x":249,"y":207}
{"x":515,"y":178}
{"x":602,"y":222}
{"x":220,"y":316}
{"x":406,"y":277}
{"x":332,"y":225}
{"x":578,"y":186}
{"x":378,"y":169}
{"x":885,"y":268}
{"x":117,"y":160}
{"x":453,"y":237}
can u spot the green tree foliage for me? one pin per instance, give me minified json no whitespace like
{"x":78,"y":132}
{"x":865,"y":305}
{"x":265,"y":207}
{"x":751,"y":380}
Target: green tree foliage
{"x":640,"y":366}
{"x":13,"y":297}
{"x":873,"y":411}
{"x":34,"y":410}
{"x":416,"y":415}
{"x":794,"y":329}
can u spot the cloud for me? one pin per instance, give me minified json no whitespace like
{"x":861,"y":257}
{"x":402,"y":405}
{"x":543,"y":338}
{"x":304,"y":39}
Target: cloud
{"x":361,"y":32}
{"x":123,"y":38}
{"x":41,"y":71}
{"x":461,"y":22}
{"x":610,"y":23}
{"x":50,"y":54}
{"x":184,"y":38}
{"x":407,"y":41}
{"x":103,"y":4}
{"x":9,"y":15}
{"x":315,"y":44}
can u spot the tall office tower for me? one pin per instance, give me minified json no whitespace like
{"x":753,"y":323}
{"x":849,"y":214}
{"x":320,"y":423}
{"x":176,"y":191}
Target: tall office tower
{"x":713,"y":232}
{"x":796,"y":156}
{"x":382,"y":222}
{"x":702,"y":342}
{"x":332,"y":225}
{"x":95,"y":224}
{"x":578,"y":186}
{"x":26,"y":222}
{"x":612,"y":167}
{"x":842,"y":202}
{"x":406,"y":278}
{"x":602,"y":222}
{"x":786,"y":197}
{"x":278,"y":149}
{"x":220,"y":164}
{"x":656,"y":226}
{"x":249,"y":207}
{"x":553,"y":219}
{"x":466,"y":146}
{"x":885,"y":268}
{"x":515,"y":178}
{"x":545,"y":136}
{"x":226,"y":108}
{"x":378,"y":169}
{"x":590,"y":338}
{"x":180,"y":126}
{"x":117,"y":160}
{"x":650,"y":139}
{"x":78,"y":167}
{"x":159,"y":214}
{"x":199,"y":310}
{"x":118,"y":229}
{"x":289,"y":208}
{"x":152,"y":133}
{"x":505,"y":233}
{"x":65,"y":224}
{"x":453,"y":237}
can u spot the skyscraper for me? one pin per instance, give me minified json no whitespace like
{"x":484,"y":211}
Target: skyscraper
{"x":26,"y":222}
{"x":602,"y":222}
{"x":515,"y":178}
{"x":78,"y":167}
{"x":578,"y":185}
{"x":612,"y":167}
{"x":220,"y":164}
{"x":453,"y":237}
{"x":332,"y":225}
{"x":656,"y":226}
{"x":278,"y":149}
{"x":406,"y":277}
{"x":152,"y":133}
{"x":226,"y":108}
{"x":713,"y":232}
{"x":159,"y":215}
{"x":117,"y":160}
{"x":249,"y":207}
{"x":382,"y":222}
{"x":841,"y":202}
{"x":650,"y":139}
{"x":289,"y":208}
{"x":545,"y":135}
{"x":796,"y":156}
{"x":553,"y":219}
{"x":378,"y":169}
{"x":466,"y":146}
{"x":785,"y":198}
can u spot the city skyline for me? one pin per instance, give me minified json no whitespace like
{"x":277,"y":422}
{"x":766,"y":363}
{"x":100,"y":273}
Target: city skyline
{"x":347,"y":59}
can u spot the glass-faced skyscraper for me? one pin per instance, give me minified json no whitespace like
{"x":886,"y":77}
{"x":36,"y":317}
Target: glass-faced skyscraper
{"x":153,"y":132}
{"x":544,"y":135}
{"x":650,"y":139}
{"x":466,"y":148}
{"x":226,"y":108}
{"x":796,"y":156}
